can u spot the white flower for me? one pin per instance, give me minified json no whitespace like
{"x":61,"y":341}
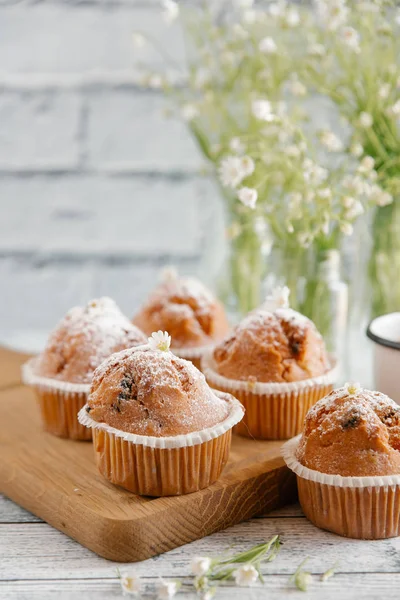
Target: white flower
{"x":348,"y":201}
{"x":331,"y":141}
{"x":346,"y":228}
{"x":209,"y":594}
{"x":316,"y":50}
{"x":244,"y":3}
{"x":293,"y":151}
{"x":356,"y":149}
{"x":302,"y":580}
{"x":277,"y":9}
{"x":355,"y":210}
{"x":167,"y":589}
{"x":200,"y":565}
{"x":267,"y":46}
{"x":248,"y":197}
{"x":131,"y":584}
{"x":351,"y":38}
{"x":171,"y":10}
{"x":245,"y":575}
{"x":279,"y":298}
{"x":247,"y":165}
{"x":231,"y":171}
{"x":296,"y":87}
{"x":236,"y":145}
{"x":189,"y":112}
{"x":384,"y":91}
{"x":138,"y":39}
{"x":155,"y":81}
{"x":395,"y":109}
{"x":305,"y":239}
{"x":365,"y":120}
{"x":169,"y":273}
{"x":352,"y":388}
{"x":366,"y":165}
{"x":262,"y":110}
{"x":332,"y":13}
{"x":325,"y":193}
{"x":292,"y":17}
{"x":160,"y":340}
{"x":382,"y":198}
{"x":314,"y":173}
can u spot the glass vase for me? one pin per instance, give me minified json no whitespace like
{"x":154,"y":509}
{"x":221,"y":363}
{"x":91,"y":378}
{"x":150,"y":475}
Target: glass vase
{"x":384,"y":265}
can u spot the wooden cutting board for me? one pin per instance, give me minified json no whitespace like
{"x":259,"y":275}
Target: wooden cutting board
{"x":57,"y":480}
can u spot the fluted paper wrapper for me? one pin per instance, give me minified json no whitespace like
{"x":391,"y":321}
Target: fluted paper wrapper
{"x":192,"y":354}
{"x":274,"y":411}
{"x":357,"y":507}
{"x":163,"y":466}
{"x":59,"y":403}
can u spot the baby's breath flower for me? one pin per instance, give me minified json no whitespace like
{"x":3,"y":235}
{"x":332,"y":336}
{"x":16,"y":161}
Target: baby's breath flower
{"x":250,"y":16}
{"x":301,"y":578}
{"x":171,"y":10}
{"x":268,"y":46}
{"x":325,"y":193}
{"x":130,"y":584}
{"x":276,"y":9}
{"x":189,"y":112}
{"x":383,"y":198}
{"x":329,"y":573}
{"x":346,"y":228}
{"x":245,"y":575}
{"x":262,"y":110}
{"x":248,"y":197}
{"x":160,"y":340}
{"x":155,"y":81}
{"x":209,"y":594}
{"x":348,"y":201}
{"x":292,"y":17}
{"x":355,"y":210}
{"x":231,"y":171}
{"x":366,"y":165}
{"x":239,"y":31}
{"x":395,"y":109}
{"x":293,"y":151}
{"x":351,"y":38}
{"x":365,"y":120}
{"x":166,"y":590}
{"x":332,"y":13}
{"x":384,"y":91}
{"x":352,"y":388}
{"x":305,"y":239}
{"x":200,"y":565}
{"x":356,"y":149}
{"x":236,"y":145}
{"x":316,"y":50}
{"x":296,"y":87}
{"x":330,"y":141}
{"x":247,"y":165}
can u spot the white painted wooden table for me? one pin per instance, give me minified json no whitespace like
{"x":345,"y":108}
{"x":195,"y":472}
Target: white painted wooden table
{"x":38,"y":562}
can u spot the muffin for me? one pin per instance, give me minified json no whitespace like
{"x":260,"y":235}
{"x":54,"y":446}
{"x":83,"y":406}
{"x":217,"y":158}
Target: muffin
{"x":158,"y":429}
{"x":276,"y":364}
{"x":347,"y":463}
{"x":185,"y":308}
{"x":62,"y":373}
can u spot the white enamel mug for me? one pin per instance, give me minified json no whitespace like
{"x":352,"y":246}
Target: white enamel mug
{"x":384,"y":331}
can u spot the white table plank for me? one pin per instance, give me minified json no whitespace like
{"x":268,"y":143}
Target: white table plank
{"x":372,"y":586}
{"x":12,"y":513}
{"x":36,"y":551}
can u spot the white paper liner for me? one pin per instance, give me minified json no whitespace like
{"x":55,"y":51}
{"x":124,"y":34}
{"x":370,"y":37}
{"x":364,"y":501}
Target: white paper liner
{"x":29,"y":377}
{"x":236,"y":413}
{"x":288,"y":451}
{"x":188,"y":353}
{"x":208,"y":367}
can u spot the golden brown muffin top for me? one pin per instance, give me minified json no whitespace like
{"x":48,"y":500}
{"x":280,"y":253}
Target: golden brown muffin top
{"x":153,"y":392}
{"x":84,"y":338}
{"x":352,"y":432}
{"x":186,"y":309}
{"x":279,"y":345}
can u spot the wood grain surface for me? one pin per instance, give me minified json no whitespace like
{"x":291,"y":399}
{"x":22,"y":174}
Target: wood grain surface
{"x":57,"y":480}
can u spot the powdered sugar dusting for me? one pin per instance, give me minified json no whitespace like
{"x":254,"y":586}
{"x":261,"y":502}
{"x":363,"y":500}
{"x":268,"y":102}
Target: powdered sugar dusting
{"x":85,"y":337}
{"x":148,"y":392}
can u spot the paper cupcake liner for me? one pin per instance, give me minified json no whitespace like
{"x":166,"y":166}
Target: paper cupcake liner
{"x":274,"y":411}
{"x":59,"y":403}
{"x":167,"y":466}
{"x":356,"y":507}
{"x":192,"y":354}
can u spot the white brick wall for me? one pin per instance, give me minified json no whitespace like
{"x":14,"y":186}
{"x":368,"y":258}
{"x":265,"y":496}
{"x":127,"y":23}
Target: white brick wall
{"x":98,"y":189}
